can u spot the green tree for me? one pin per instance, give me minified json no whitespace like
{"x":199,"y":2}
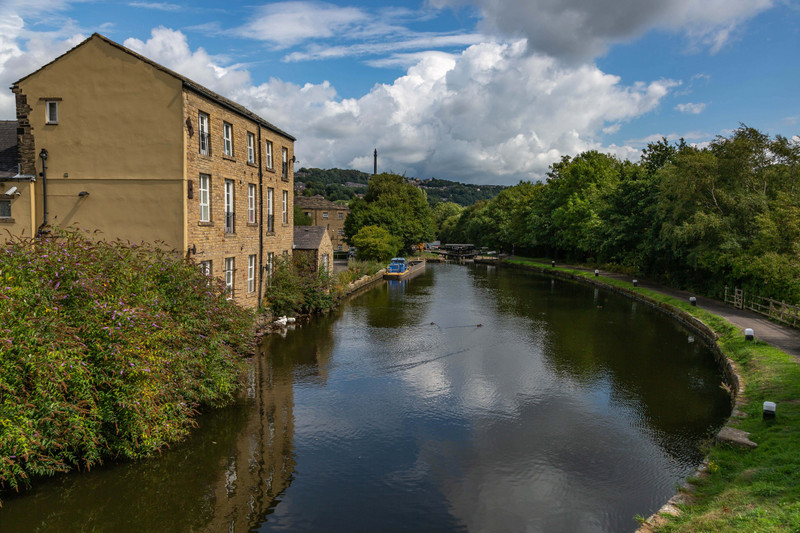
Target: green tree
{"x":375,"y":244}
{"x":301,"y":219}
{"x":394,"y":205}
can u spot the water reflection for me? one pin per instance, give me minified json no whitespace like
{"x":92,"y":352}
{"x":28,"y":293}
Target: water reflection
{"x":465,"y":399}
{"x":226,"y":477}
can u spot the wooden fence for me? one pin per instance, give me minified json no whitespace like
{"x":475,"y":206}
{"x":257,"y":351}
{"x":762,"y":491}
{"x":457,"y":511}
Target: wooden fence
{"x":781,"y":311}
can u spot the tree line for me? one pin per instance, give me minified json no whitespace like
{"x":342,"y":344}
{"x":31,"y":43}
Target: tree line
{"x":700,"y":218}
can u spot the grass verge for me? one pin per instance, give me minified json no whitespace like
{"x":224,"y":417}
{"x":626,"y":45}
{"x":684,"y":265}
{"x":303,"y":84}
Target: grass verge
{"x":745,"y":490}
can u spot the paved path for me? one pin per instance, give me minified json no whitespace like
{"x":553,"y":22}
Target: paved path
{"x":782,"y":337}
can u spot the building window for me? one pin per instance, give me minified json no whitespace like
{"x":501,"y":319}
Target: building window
{"x":229,"y":211}
{"x":205,"y":267}
{"x":308,"y":214}
{"x":339,"y":248}
{"x":204,"y":139}
{"x":270,"y":266}
{"x":251,"y":203}
{"x":251,"y":148}
{"x":5,"y":208}
{"x":229,"y":270}
{"x":205,"y":198}
{"x":325,"y":263}
{"x":227,"y":139}
{"x":285,"y":207}
{"x":251,"y":273}
{"x":285,"y":168}
{"x":269,"y":155}
{"x":340,"y":215}
{"x":324,"y":214}
{"x":270,"y":210}
{"x":51,"y":109}
{"x":340,"y":232}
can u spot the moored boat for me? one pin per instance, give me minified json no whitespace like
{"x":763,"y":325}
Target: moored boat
{"x":399,"y":268}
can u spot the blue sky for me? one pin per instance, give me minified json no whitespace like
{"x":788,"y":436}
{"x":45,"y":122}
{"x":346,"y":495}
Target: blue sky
{"x":481,"y":91}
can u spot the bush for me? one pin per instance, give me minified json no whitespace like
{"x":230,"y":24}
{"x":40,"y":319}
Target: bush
{"x":376,"y":243}
{"x":107,"y":350}
{"x":295,"y":289}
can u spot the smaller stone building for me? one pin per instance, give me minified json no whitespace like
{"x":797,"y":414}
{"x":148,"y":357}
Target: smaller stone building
{"x":312,"y":246}
{"x":327,"y":214}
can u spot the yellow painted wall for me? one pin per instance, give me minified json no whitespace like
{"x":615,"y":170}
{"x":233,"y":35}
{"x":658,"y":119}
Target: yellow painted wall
{"x":21,"y":223}
{"x":119,"y":137}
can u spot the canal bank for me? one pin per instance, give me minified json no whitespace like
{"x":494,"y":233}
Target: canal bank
{"x":746,"y":482}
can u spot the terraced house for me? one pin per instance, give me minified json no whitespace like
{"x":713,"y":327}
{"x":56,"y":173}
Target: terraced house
{"x":109,"y":140}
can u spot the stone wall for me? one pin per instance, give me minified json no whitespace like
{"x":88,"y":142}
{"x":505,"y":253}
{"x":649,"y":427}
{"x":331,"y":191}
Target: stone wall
{"x":213,"y":243}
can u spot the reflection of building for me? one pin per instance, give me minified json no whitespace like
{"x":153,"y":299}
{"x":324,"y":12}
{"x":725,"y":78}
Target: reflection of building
{"x":260,"y":465}
{"x":312,"y":245}
{"x":141,"y":153}
{"x":326,"y":214}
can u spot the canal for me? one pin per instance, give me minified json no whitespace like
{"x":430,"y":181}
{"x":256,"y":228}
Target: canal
{"x":465,"y":399}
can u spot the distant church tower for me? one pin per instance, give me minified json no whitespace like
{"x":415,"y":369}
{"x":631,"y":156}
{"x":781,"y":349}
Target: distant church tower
{"x":375,"y":162}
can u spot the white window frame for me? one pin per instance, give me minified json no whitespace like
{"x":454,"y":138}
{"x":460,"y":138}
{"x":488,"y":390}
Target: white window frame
{"x":270,"y":266}
{"x":269,"y":155}
{"x":285,"y":159}
{"x":204,"y":186}
{"x":340,"y":215}
{"x":205,"y":267}
{"x":227,"y":139}
{"x":203,"y":123}
{"x":51,"y":111}
{"x":270,"y":209}
{"x":251,"y":148}
{"x":230,"y":207}
{"x":251,"y":273}
{"x":285,"y":207}
{"x":325,"y":214}
{"x":251,"y":203}
{"x":230,"y":269}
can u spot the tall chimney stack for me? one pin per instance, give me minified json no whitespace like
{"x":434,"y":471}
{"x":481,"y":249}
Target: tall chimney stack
{"x":375,"y":167}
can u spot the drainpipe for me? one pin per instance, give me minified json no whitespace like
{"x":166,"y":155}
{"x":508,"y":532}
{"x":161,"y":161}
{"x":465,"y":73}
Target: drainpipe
{"x":260,"y":220}
{"x":42,"y":231}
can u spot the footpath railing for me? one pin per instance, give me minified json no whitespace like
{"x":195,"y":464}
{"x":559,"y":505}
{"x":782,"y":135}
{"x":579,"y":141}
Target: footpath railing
{"x":781,"y":311}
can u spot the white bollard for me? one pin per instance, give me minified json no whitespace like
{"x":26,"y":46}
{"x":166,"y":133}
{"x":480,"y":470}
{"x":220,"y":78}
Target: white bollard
{"x":636,"y":283}
{"x":769,"y":410}
{"x":748,"y":334}
{"x":692,"y":301}
{"x":596,"y":272}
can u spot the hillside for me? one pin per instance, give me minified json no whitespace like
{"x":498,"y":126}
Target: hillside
{"x":338,"y":184}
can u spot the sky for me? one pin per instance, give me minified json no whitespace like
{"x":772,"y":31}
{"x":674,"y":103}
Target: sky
{"x":477,"y":91}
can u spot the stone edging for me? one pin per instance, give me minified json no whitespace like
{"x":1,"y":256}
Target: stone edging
{"x":728,"y":367}
{"x":363,"y":282}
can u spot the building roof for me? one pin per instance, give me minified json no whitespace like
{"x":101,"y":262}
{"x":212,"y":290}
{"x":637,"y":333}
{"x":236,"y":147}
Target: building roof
{"x":309,"y":237}
{"x":187,"y":83}
{"x":317,"y":202}
{"x":8,"y":148}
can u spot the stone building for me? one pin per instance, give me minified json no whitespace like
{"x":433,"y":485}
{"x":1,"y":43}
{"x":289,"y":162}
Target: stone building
{"x":144,"y":154}
{"x":327,"y":214}
{"x":314,"y":243}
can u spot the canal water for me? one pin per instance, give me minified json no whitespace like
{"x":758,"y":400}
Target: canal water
{"x":465,"y":399}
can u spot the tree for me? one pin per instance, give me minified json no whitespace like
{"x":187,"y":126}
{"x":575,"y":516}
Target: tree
{"x":302,"y":219}
{"x":375,"y":243}
{"x":394,"y":205}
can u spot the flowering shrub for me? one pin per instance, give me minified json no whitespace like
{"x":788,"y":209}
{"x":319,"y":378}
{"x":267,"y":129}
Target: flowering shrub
{"x":107,"y":350}
{"x":295,"y":289}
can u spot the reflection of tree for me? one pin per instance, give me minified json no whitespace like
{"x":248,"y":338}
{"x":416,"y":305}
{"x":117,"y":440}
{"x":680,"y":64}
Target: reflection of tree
{"x":397,"y":303}
{"x":260,"y":463}
{"x":593,"y":336}
{"x":225,"y":477}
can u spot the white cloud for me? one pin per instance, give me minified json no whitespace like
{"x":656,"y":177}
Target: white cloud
{"x":578,"y":30}
{"x":158,"y":6}
{"x":691,"y":108}
{"x":289,"y":23}
{"x":490,"y":114}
